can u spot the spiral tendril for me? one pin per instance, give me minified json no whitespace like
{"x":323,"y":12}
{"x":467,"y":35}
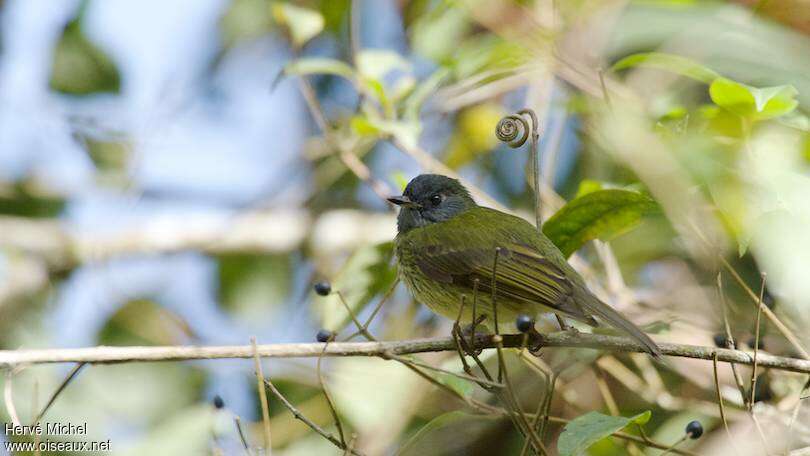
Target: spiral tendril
{"x":514,"y":130}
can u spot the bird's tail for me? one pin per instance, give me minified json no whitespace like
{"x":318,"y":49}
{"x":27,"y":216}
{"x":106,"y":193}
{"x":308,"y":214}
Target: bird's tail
{"x":598,"y":308}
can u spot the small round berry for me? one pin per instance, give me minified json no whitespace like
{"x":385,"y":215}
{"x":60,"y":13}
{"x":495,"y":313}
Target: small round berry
{"x":322,"y":288}
{"x":753,"y":341}
{"x":524,"y":323}
{"x":720,"y":340}
{"x":694,"y":429}
{"x":218,"y":402}
{"x":324,"y":335}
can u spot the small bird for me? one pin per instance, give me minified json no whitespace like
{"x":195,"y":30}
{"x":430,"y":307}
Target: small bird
{"x":447,"y":247}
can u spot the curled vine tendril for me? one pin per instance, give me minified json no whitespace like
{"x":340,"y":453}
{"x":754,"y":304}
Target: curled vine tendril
{"x":514,"y":130}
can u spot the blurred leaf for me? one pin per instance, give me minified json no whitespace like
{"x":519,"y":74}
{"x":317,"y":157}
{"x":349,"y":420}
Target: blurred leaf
{"x":80,"y":67}
{"x":436,"y":35}
{"x":377,"y":63}
{"x":473,"y":135}
{"x":245,"y":20}
{"x":317,"y":65}
{"x":584,"y":431}
{"x":450,"y":433}
{"x":253,"y":287}
{"x":400,"y":179}
{"x":752,"y":102}
{"x":588,"y":186}
{"x":414,"y":103}
{"x":601,"y":214}
{"x":302,"y":23}
{"x":188,"y":431}
{"x":670,"y":62}
{"x":372,"y":392}
{"x":366,"y":273}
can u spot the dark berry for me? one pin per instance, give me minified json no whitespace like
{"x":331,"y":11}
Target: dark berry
{"x":720,"y":340}
{"x":218,"y":402}
{"x":694,"y":429}
{"x":324,"y":335}
{"x":752,"y":341}
{"x":323,"y":288}
{"x":524,"y":323}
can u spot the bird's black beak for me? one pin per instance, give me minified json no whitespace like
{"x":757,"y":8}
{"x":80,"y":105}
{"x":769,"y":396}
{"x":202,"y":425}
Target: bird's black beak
{"x":402,"y":200}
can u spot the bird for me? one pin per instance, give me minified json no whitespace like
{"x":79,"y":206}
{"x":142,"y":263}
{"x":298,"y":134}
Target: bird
{"x":447,"y":246}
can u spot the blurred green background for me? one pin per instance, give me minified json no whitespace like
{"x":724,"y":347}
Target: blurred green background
{"x":165,"y":179}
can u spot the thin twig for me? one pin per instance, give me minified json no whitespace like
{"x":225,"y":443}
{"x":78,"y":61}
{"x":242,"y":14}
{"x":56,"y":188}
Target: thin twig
{"x":730,"y":339}
{"x":73,"y":372}
{"x":521,"y":416}
{"x":238,"y":423}
{"x":328,"y":397}
{"x":720,"y":399}
{"x":363,"y":330}
{"x":756,"y":344}
{"x":794,"y":341}
{"x":8,"y":396}
{"x":262,"y":396}
{"x":300,"y":416}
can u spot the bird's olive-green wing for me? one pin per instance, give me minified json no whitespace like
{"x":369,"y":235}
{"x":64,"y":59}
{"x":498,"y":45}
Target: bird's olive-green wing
{"x":522,"y":274}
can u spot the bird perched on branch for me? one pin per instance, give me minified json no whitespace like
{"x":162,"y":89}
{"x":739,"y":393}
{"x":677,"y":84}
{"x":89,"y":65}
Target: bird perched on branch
{"x":448,"y":247}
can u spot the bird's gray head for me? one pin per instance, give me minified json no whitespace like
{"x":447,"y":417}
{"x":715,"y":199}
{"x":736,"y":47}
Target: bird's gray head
{"x":430,"y":198}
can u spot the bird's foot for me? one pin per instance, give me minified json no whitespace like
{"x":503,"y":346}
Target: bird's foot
{"x":468,"y":333}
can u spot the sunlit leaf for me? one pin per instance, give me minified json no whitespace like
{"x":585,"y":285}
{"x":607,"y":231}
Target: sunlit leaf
{"x":670,"y":62}
{"x":588,"y":186}
{"x":414,"y":103}
{"x":376,"y":63}
{"x":302,"y":23}
{"x":367,"y":272}
{"x":448,"y":434}
{"x":584,"y":431}
{"x":474,"y":133}
{"x":317,"y":65}
{"x":601,"y":214}
{"x":753,"y":102}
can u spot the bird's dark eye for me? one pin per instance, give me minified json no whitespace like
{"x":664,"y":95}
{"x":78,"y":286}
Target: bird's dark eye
{"x":436,"y":199}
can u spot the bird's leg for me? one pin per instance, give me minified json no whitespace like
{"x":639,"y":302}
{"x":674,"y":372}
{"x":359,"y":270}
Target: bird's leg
{"x":468,"y":333}
{"x":563,"y":325}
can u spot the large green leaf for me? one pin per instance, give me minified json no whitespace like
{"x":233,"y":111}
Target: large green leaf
{"x":584,"y":431}
{"x":367,"y":273}
{"x":753,"y":102}
{"x":599,"y":214}
{"x":447,"y":434}
{"x":302,"y":23}
{"x":670,"y":62}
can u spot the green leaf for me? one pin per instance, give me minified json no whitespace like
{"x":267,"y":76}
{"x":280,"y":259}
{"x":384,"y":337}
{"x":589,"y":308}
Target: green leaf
{"x":376,"y":63}
{"x":670,"y":62}
{"x":447,"y":434}
{"x":302,"y":23}
{"x":602,"y":214}
{"x":413,"y":104}
{"x":80,"y":67}
{"x":588,"y":186}
{"x":367,"y":273}
{"x":753,"y":102}
{"x":584,"y":431}
{"x":317,"y":65}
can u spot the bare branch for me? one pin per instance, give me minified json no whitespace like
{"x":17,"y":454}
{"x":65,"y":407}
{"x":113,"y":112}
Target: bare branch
{"x":13,"y":358}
